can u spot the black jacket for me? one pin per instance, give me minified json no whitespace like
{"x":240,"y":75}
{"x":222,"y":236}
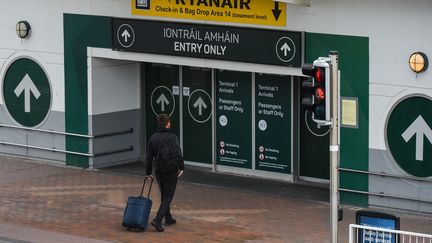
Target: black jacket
{"x":154,"y":144}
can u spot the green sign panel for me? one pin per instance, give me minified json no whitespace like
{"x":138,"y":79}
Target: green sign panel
{"x":199,"y":105}
{"x":27,"y":92}
{"x":273,"y":123}
{"x":162,"y":100}
{"x":409,"y":135}
{"x":272,"y":47}
{"x":233,"y":118}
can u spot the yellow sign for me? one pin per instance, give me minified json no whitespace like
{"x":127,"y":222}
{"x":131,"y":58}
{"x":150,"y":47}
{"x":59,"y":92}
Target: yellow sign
{"x":263,"y":12}
{"x":349,"y":112}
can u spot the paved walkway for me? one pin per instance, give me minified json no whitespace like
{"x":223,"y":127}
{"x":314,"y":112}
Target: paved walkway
{"x":43,"y":203}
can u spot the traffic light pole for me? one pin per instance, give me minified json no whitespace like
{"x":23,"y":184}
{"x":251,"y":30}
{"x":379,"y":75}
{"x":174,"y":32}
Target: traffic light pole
{"x":323,"y":81}
{"x":334,"y":145}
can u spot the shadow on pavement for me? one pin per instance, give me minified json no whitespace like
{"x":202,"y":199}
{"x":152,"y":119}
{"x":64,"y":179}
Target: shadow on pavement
{"x":205,"y":176}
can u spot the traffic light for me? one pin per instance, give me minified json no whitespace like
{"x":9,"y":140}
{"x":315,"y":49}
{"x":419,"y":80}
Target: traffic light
{"x":317,"y":89}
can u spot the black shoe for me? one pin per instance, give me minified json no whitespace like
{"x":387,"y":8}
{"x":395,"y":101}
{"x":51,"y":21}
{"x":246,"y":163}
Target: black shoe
{"x":170,"y":221}
{"x":158,"y":226}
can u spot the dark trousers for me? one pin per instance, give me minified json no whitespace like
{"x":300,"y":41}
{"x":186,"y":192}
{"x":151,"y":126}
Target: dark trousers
{"x":167,"y":185}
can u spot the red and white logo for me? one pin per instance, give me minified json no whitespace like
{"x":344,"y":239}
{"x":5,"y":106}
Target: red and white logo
{"x":222,"y":144}
{"x":222,"y":151}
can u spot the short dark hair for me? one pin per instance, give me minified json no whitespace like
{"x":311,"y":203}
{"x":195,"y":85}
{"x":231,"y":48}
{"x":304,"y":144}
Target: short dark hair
{"x":162,"y":120}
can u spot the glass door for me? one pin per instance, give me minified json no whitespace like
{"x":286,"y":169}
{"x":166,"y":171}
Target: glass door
{"x":162,"y":95}
{"x":197,"y":114}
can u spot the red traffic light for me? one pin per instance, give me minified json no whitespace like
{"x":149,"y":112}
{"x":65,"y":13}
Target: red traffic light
{"x":319,"y":94}
{"x":316,"y":89}
{"x":319,"y":74}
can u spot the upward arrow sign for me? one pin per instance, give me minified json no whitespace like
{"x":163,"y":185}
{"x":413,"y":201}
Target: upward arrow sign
{"x":419,"y":128}
{"x":162,"y":100}
{"x":26,"y":85}
{"x":200,"y":104}
{"x":285,"y":48}
{"x":125,"y":35}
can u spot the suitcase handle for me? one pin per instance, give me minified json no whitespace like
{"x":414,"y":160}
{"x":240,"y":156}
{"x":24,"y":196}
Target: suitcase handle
{"x":142,"y":189}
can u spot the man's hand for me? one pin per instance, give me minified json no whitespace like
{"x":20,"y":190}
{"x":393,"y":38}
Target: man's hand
{"x":149,"y":177}
{"x":179,"y":173}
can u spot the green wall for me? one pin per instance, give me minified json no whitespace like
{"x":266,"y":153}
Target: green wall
{"x":80,"y":32}
{"x":354,"y":145}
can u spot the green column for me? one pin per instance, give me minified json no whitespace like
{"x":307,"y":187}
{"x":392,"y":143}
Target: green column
{"x":80,"y":32}
{"x":354,"y":146}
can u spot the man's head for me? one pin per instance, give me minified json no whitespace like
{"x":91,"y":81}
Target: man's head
{"x":163,"y":121}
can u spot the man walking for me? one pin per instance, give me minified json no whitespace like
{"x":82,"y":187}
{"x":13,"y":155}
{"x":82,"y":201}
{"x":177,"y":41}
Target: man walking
{"x":165,"y":154}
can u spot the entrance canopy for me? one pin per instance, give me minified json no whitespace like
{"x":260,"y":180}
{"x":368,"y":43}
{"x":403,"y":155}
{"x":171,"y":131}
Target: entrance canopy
{"x":196,"y":62}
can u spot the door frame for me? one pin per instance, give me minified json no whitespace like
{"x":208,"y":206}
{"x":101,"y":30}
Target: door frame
{"x":181,"y":94}
{"x":214,"y":64}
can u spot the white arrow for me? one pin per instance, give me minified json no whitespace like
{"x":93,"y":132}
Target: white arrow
{"x":285,"y":48}
{"x":125,"y":35}
{"x":27,"y":86}
{"x":162,"y":99}
{"x":200,"y":103}
{"x":419,"y":128}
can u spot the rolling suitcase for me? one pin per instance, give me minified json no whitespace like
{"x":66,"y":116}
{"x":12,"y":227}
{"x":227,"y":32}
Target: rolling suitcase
{"x":137,"y":211}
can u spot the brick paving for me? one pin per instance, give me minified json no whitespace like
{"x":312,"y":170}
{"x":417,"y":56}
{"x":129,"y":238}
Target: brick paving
{"x":45,"y":203}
